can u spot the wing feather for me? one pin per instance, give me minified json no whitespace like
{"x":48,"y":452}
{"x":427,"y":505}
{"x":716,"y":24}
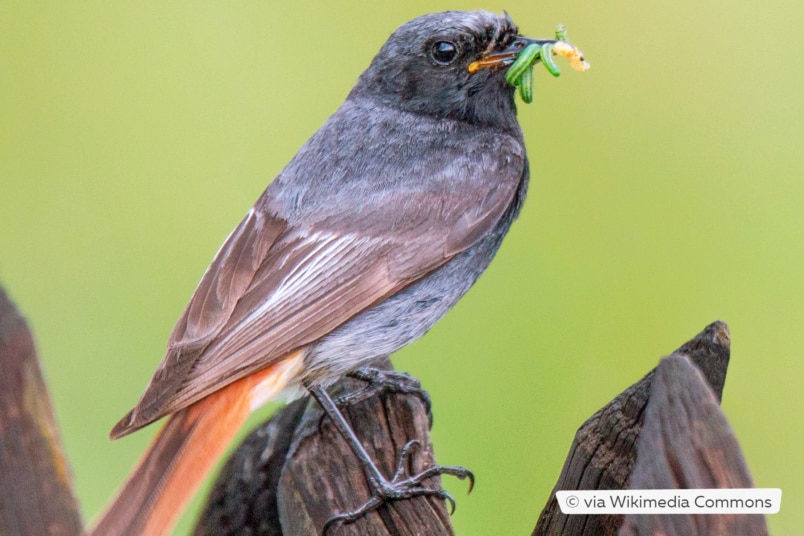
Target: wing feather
{"x":275,"y":287}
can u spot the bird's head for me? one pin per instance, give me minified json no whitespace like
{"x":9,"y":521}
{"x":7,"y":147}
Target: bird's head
{"x":448,"y":65}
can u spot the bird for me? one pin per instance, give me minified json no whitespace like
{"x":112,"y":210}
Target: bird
{"x":373,"y":231}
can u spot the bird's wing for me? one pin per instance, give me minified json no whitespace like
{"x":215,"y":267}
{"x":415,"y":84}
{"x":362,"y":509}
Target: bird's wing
{"x":274,"y":287}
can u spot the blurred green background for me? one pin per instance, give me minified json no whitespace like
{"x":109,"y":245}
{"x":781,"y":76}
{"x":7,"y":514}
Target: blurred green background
{"x":666,"y":194}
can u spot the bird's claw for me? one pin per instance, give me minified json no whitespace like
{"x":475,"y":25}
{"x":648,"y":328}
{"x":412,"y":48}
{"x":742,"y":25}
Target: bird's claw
{"x":379,"y":381}
{"x":401,"y":487}
{"x":383,"y":381}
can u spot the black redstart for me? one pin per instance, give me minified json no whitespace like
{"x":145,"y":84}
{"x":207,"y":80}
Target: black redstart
{"x":373,"y":231}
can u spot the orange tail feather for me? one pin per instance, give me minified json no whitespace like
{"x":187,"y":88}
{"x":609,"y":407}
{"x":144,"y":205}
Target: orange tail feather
{"x":185,"y":451}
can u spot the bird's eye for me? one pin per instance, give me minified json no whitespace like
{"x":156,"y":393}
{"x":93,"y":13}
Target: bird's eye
{"x":444,"y":52}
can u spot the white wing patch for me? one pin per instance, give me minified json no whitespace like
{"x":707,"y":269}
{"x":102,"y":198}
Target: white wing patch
{"x":328,"y":254}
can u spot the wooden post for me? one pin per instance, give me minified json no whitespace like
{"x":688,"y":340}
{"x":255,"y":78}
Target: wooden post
{"x":687,"y":443}
{"x":604,"y":452}
{"x":36,"y":495}
{"x":295,"y":472}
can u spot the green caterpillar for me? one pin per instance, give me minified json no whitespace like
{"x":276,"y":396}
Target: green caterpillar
{"x":524,"y":62}
{"x":520,"y":73}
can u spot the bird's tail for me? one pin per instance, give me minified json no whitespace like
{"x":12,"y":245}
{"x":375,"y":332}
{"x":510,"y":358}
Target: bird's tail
{"x":185,"y":451}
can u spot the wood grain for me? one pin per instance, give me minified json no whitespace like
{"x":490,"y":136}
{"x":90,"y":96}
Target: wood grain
{"x":295,"y":472}
{"x":603,"y":453}
{"x":687,"y":443}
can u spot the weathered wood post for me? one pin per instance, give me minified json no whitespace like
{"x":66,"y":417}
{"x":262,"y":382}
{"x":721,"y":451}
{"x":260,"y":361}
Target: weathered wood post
{"x":641,"y":427}
{"x":294,"y":472}
{"x":36,"y":495}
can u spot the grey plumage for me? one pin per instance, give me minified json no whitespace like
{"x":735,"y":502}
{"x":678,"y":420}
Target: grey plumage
{"x":372,"y":232}
{"x":459,"y":184}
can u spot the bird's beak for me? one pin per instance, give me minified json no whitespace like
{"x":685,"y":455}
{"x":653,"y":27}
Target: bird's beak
{"x":504,"y":59}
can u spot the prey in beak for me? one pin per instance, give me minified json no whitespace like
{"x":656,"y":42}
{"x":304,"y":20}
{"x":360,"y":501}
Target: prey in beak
{"x":504,"y":59}
{"x":523,"y":53}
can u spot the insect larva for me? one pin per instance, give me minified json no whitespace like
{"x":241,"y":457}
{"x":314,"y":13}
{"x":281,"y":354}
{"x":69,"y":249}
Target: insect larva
{"x":526,"y":85}
{"x":524,"y":61}
{"x":547,"y":59}
{"x":573,"y":55}
{"x":520,"y":73}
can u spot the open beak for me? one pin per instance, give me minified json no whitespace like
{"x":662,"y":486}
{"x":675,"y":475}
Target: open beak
{"x":504,"y":59}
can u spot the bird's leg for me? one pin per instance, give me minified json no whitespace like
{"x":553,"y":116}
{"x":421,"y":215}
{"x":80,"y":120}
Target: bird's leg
{"x":401,"y":486}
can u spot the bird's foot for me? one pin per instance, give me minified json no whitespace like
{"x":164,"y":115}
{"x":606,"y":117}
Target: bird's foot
{"x":379,"y":381}
{"x":402,"y":487}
